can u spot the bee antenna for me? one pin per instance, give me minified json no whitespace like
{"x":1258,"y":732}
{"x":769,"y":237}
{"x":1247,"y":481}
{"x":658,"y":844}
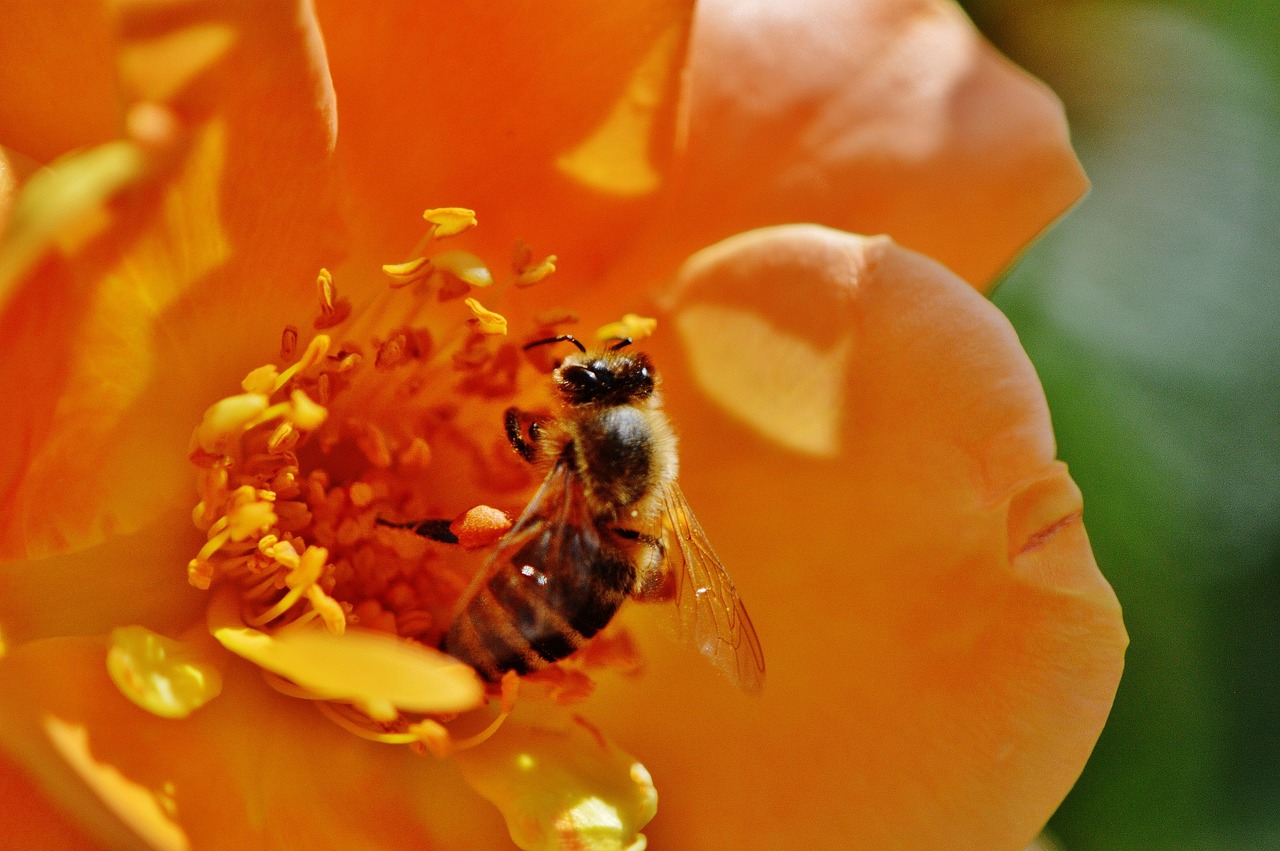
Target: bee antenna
{"x":563,"y":338}
{"x":621,"y":344}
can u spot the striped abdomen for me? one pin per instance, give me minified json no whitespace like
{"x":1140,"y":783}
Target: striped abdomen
{"x":555,"y":591}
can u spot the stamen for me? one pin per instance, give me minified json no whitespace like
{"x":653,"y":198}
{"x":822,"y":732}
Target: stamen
{"x":225,"y":421}
{"x":485,"y":320}
{"x":333,"y":310}
{"x":288,"y":342}
{"x":449,"y":221}
{"x":354,"y":725}
{"x":302,"y":476}
{"x":632,"y":326}
{"x":464,"y":266}
{"x":403,"y":274}
{"x":527,"y":272}
{"x":316,"y":350}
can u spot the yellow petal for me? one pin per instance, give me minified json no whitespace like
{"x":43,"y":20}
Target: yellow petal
{"x":372,"y":670}
{"x":163,"y":676}
{"x":562,"y":786}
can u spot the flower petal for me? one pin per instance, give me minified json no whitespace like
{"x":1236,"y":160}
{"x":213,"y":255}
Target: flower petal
{"x":560,"y":784}
{"x":891,"y":116}
{"x":555,"y":126}
{"x":127,"y":579}
{"x":371,"y":669}
{"x":252,"y":768}
{"x":49,"y":71}
{"x":942,"y":649}
{"x":123,"y":338}
{"x":42,"y":825}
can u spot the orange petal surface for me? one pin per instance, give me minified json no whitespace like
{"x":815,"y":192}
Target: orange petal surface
{"x":119,"y":348}
{"x":555,"y":122}
{"x":942,"y":649}
{"x":250,"y":769}
{"x":50,"y":71}
{"x":892,"y":116}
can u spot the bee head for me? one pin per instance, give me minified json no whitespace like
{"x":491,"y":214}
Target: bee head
{"x":605,"y":378}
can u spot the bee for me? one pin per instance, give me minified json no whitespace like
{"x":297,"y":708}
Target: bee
{"x":608,"y":523}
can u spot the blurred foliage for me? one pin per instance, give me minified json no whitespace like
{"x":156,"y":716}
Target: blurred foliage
{"x":1152,"y":312}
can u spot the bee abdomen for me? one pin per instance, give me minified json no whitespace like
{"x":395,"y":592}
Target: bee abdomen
{"x":523,"y":619}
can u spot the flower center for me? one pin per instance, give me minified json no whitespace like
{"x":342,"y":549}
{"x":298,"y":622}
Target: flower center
{"x":332,"y":488}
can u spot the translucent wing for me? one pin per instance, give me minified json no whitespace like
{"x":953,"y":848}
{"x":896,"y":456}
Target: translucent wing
{"x":520,"y":608}
{"x":709,"y":613}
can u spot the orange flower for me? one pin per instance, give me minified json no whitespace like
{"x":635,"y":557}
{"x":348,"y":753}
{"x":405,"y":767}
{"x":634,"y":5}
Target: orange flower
{"x":861,"y":433}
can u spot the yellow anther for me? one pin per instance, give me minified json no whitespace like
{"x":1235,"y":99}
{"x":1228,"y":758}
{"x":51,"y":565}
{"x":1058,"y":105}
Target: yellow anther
{"x":333,"y":310}
{"x":316,"y":350}
{"x":329,"y":610}
{"x":403,"y":274}
{"x":449,"y":221}
{"x":327,"y":291}
{"x":631,"y":326}
{"x":464,"y":266}
{"x":262,"y":380}
{"x":285,"y":437}
{"x":433,"y":737}
{"x":527,"y":272}
{"x":281,"y":552}
{"x":299,"y":581}
{"x":309,"y":568}
{"x":527,"y":276}
{"x":225,"y":421}
{"x":288,"y":342}
{"x":485,"y":320}
{"x":200,"y":574}
{"x":249,"y":515}
{"x":306,"y":414}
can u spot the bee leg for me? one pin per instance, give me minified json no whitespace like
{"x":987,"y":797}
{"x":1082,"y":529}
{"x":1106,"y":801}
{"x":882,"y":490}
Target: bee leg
{"x":431,"y":528}
{"x":634,"y":535}
{"x":514,"y":421}
{"x":652,"y":583}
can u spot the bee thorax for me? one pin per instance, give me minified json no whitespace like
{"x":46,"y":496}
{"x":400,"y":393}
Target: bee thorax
{"x":616,"y":452}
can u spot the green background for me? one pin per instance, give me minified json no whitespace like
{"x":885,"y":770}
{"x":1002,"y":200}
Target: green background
{"x":1152,"y":312}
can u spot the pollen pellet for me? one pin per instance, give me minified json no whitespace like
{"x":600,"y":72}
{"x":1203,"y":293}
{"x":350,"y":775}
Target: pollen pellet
{"x":480,"y":526}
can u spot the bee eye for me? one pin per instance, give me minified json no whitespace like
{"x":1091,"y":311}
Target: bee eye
{"x":580,"y":376}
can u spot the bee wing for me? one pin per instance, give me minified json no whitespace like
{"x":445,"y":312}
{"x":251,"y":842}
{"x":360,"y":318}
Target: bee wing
{"x":554,"y":508}
{"x":709,"y":614}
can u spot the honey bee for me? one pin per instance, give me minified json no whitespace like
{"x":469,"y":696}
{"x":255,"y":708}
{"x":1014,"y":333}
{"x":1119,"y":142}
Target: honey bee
{"x":608,"y":522}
